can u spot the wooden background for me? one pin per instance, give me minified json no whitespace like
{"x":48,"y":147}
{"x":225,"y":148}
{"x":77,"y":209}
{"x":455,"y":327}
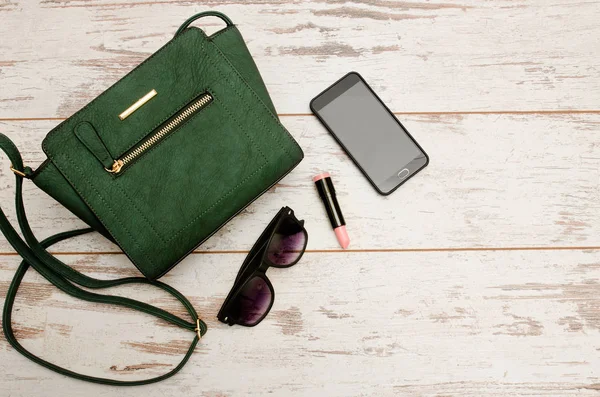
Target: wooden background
{"x":481,"y":276}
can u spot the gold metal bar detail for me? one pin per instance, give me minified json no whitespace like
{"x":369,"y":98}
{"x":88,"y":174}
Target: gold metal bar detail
{"x":140,"y":102}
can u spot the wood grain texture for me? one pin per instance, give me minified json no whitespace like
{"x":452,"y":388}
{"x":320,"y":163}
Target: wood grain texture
{"x":493,"y":181}
{"x":383,"y":324}
{"x":478,"y":277}
{"x":419,"y":56}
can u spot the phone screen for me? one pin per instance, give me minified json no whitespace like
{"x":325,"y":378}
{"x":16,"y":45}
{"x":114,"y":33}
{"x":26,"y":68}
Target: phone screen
{"x":370,"y":133}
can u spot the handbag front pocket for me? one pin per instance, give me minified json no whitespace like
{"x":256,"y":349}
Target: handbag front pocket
{"x":186,"y":176}
{"x":184,"y":169}
{"x":167,"y":128}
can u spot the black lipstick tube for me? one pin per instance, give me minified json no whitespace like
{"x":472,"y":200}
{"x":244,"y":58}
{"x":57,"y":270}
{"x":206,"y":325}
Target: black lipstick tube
{"x":332,"y":207}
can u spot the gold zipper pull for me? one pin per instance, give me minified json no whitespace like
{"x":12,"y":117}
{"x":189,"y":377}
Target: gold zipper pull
{"x":116,"y":167}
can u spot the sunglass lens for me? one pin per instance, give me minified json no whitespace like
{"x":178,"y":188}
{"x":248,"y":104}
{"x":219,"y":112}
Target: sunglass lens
{"x":252,"y":302}
{"x":287,"y":243}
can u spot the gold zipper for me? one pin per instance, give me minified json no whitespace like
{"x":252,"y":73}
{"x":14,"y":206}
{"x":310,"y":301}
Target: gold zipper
{"x":189,"y":111}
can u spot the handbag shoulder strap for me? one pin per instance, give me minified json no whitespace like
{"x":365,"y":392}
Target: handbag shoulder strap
{"x":67,"y":279}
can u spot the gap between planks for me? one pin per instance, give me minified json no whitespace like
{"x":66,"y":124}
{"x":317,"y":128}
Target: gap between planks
{"x":366,"y":250}
{"x":473,"y":112}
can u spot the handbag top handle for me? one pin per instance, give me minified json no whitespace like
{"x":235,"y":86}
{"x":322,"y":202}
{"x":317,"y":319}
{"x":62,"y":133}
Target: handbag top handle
{"x":217,"y":14}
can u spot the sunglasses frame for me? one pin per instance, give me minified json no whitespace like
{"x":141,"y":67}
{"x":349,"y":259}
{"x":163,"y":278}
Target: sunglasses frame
{"x":258,"y":257}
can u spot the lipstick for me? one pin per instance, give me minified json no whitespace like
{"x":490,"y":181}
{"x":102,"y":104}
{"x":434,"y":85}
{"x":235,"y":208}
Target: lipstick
{"x":334,"y":212}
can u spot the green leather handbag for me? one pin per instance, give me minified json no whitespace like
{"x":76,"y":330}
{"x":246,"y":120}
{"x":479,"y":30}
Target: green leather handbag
{"x":157,"y":164}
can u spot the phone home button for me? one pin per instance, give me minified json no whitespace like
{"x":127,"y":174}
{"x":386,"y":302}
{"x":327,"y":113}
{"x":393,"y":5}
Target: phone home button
{"x":404,"y":173}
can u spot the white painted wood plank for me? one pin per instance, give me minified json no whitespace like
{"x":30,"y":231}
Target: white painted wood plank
{"x":437,"y":323}
{"x":436,"y":56}
{"x":493,"y":181}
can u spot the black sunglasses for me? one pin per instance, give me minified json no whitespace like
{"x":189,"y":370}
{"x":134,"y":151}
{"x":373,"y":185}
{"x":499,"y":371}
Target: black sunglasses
{"x":281,"y":245}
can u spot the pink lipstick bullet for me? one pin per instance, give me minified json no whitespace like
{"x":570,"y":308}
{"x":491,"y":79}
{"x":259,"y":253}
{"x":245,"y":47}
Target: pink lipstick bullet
{"x":334,"y":212}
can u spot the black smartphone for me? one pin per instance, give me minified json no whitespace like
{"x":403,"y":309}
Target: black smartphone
{"x":369,"y":132}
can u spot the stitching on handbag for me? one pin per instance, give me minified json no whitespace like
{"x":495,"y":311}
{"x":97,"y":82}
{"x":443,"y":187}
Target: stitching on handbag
{"x":40,"y":170}
{"x":180,"y":126}
{"x":110,"y":209}
{"x":141,"y":213}
{"x":236,"y":119}
{"x":119,"y":82}
{"x":256,"y":117}
{"x":260,"y":120}
{"x":259,"y":100}
{"x":236,"y":186}
{"x":102,"y":198}
{"x":220,"y":32}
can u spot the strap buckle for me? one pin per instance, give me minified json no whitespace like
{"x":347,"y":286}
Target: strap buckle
{"x":17,"y":172}
{"x":197,"y":329}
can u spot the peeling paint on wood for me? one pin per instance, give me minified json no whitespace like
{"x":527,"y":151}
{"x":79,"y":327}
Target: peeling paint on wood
{"x":62,"y":329}
{"x":546,"y":204}
{"x":7,"y":5}
{"x":351,"y":12}
{"x":486,"y":284}
{"x":402,"y":5}
{"x":522,"y":326}
{"x":332,"y":314}
{"x":487,"y":65}
{"x":33,"y":293}
{"x":584,"y":295}
{"x":477,"y":315}
{"x":323,"y":51}
{"x":290,"y":320}
{"x":23,"y":332}
{"x":381,"y":48}
{"x":171,"y":348}
{"x":299,"y":28}
{"x":137,"y":367}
